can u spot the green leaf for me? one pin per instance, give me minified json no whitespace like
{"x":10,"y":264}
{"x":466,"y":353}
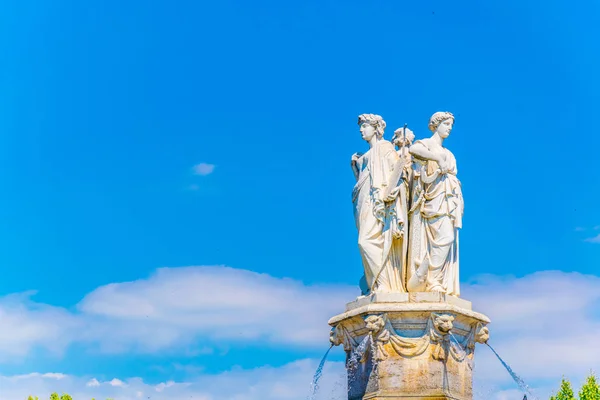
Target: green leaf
{"x":566,"y":391}
{"x":590,"y":390}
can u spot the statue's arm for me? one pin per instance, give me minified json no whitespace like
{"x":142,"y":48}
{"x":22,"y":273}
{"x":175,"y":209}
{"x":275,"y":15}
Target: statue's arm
{"x":353,"y":164}
{"x":397,"y":166}
{"x":419,"y":150}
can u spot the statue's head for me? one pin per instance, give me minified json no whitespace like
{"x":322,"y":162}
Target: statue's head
{"x":371,"y":125}
{"x":441,"y":123}
{"x":398,"y":139}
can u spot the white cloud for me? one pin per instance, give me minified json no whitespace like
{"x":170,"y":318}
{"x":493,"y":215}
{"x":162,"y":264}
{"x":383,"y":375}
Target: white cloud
{"x":48,"y":375}
{"x":203,"y":169}
{"x":173,"y":308}
{"x":595,"y":239}
{"x":289,"y":382}
{"x":27,"y":324}
{"x":544,"y":325}
{"x":162,"y":386}
{"x":93,"y":383}
{"x":117,"y":382}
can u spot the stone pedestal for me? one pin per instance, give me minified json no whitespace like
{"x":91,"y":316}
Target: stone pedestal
{"x":409,"y":346}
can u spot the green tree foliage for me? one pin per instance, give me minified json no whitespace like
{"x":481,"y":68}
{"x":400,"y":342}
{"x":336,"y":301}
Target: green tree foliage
{"x":590,"y":390}
{"x":566,"y":391}
{"x":65,"y":397}
{"x":54,"y":396}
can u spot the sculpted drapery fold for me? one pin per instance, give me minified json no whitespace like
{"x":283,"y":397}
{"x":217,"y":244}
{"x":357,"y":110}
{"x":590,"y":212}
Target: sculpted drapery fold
{"x":386,"y":341}
{"x":378,"y":211}
{"x":408,"y":208}
{"x":436,"y":214}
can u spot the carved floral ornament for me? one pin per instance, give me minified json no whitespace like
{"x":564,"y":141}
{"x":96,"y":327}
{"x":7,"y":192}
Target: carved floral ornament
{"x":437,"y":333}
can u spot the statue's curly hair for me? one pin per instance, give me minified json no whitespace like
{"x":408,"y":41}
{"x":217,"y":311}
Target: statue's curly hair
{"x":375,"y":121}
{"x":439,"y":117}
{"x":398,"y":138}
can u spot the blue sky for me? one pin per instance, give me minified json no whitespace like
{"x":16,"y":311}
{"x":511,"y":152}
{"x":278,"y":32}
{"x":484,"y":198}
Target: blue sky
{"x":107,"y":106}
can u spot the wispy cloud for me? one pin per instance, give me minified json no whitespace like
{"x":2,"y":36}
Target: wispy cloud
{"x":595,"y":239}
{"x":203,"y":169}
{"x":176,"y":305}
{"x":29,"y":324}
{"x":172,"y":309}
{"x":544,"y":324}
{"x":93,"y":383}
{"x":288,"y":382}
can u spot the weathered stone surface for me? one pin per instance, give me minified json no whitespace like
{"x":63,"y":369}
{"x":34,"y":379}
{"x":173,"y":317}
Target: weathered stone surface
{"x":422,"y":346}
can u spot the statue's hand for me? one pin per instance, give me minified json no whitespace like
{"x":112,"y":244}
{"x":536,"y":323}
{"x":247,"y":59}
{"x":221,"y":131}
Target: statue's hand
{"x":379,"y":207}
{"x":355,"y":158}
{"x":444,"y":165}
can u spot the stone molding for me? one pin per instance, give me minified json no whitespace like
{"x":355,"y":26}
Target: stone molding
{"x":437,"y":333}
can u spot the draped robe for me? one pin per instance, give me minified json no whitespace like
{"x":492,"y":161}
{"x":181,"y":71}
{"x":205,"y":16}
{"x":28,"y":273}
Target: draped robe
{"x":381,"y":223}
{"x":435,"y":219}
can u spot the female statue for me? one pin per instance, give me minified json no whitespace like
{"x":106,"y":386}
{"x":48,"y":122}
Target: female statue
{"x":436,"y":213}
{"x":403,"y":139}
{"x":378,"y":212}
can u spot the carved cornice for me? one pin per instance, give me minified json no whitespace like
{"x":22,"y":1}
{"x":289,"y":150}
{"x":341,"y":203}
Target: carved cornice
{"x":386,"y":341}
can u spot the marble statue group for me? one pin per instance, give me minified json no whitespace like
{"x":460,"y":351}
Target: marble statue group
{"x":410,"y":335}
{"x":408,"y":208}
